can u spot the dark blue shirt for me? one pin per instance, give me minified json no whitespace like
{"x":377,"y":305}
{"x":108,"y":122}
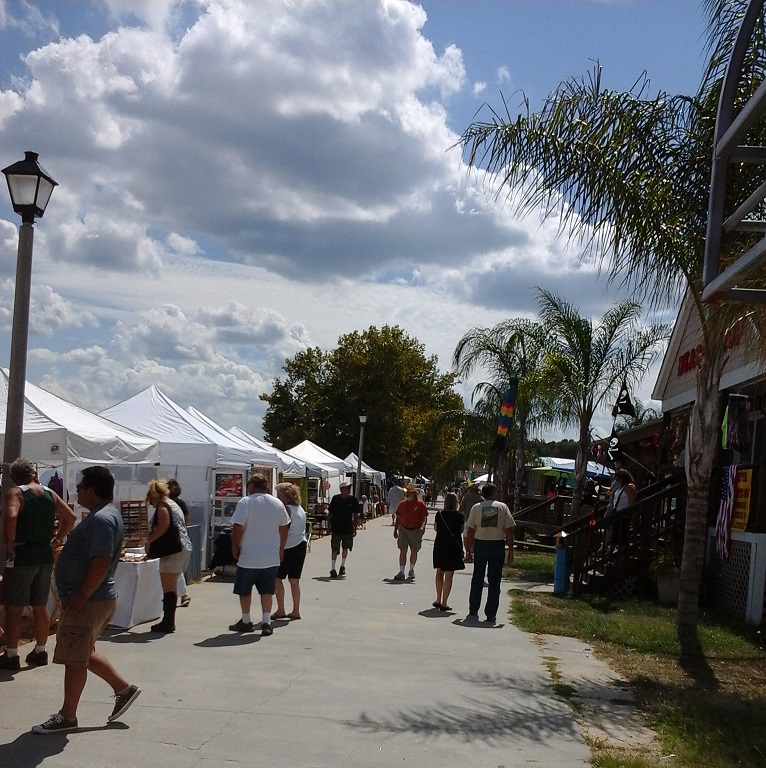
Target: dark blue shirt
{"x":100,"y":534}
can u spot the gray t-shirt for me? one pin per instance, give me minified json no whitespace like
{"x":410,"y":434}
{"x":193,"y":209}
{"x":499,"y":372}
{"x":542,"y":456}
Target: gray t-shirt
{"x":100,"y":534}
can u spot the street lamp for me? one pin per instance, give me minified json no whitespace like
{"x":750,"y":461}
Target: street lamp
{"x":30,"y":186}
{"x":362,"y":422}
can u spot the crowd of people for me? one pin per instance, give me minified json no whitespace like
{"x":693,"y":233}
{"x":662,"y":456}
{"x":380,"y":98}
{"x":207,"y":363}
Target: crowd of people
{"x":269,"y":543}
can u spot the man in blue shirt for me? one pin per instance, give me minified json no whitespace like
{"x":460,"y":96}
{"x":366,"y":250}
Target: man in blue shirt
{"x":85,"y":582}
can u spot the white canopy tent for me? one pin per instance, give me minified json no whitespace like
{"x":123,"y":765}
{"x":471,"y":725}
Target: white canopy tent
{"x":230,"y":445}
{"x":289,"y":465}
{"x":308,"y":451}
{"x":58,"y":433}
{"x":373,"y":475}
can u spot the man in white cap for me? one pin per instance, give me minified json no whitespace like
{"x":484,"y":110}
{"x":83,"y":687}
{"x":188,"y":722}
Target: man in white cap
{"x":342,"y":515}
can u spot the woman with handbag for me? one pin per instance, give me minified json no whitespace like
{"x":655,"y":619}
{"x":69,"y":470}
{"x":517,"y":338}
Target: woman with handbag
{"x":448,"y":549}
{"x":170,"y":542}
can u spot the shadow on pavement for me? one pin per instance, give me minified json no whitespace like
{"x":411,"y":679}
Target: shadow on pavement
{"x":230,"y":639}
{"x":32,"y":749}
{"x":502,"y":718}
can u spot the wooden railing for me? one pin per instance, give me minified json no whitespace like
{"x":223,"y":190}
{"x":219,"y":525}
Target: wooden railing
{"x":612,"y":554}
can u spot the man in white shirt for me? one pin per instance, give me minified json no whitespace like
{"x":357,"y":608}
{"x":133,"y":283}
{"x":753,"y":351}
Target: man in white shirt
{"x":258,"y":544}
{"x":488,"y":529}
{"x":395,"y":495}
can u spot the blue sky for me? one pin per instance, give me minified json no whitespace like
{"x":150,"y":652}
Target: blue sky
{"x":241,"y":180}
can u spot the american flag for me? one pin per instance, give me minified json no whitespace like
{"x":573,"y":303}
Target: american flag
{"x":723,"y":524}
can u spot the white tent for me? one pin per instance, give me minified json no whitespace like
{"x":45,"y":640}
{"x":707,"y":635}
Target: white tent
{"x":288,"y":464}
{"x":154,"y":413}
{"x":230,"y":446}
{"x":376,"y":477}
{"x":59,"y":433}
{"x":308,"y":451}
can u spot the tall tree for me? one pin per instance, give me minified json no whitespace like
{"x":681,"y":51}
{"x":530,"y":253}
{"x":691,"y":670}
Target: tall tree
{"x":587,"y":364}
{"x":628,"y":174}
{"x":510,"y":350}
{"x":381,"y":372}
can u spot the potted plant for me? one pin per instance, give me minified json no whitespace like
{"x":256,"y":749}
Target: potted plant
{"x":665,"y":571}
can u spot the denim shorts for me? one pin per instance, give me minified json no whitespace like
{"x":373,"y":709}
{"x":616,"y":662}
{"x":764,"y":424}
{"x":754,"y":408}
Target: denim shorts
{"x":263,"y":579}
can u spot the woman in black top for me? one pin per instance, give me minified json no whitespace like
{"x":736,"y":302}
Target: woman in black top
{"x":448,"y":549}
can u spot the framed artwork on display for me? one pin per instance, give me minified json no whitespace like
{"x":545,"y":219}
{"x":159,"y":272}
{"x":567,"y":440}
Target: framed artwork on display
{"x":229,"y":484}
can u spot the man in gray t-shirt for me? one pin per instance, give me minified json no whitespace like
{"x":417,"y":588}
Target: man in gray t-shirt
{"x":85,"y":582}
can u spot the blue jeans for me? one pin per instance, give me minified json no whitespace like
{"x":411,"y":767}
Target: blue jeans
{"x":488,"y":558}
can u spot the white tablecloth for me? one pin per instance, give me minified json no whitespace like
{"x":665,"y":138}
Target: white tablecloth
{"x":139,"y":593}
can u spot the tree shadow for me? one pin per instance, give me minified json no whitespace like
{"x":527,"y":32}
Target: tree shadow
{"x":692,"y":659}
{"x":501,"y":711}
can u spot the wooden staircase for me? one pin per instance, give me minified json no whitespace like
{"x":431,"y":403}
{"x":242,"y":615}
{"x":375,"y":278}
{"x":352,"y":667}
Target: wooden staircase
{"x":603,"y":565}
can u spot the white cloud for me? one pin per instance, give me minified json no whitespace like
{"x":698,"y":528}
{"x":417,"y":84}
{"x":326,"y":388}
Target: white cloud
{"x":479,"y":87}
{"x":242,"y":180}
{"x":503,"y":75}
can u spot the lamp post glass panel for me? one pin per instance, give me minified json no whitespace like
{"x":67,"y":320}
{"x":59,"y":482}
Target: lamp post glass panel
{"x":358,"y":488}
{"x":30,"y":187}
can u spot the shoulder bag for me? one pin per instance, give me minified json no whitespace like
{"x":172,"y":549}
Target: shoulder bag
{"x":167,"y":544}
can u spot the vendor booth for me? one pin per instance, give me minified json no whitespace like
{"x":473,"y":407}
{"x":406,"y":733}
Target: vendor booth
{"x":208,"y":463}
{"x":63,"y":437}
{"x":337,"y":469}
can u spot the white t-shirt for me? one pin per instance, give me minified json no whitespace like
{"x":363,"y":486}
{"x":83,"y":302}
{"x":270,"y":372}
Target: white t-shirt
{"x":260,"y":516}
{"x":297,"y":533}
{"x":395,"y":495}
{"x":490,"y":519}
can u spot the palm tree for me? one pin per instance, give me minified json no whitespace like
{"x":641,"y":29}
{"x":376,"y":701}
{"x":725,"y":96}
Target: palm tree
{"x":510,"y":350}
{"x":587,"y":364}
{"x":629,"y":175}
{"x":643,"y":415}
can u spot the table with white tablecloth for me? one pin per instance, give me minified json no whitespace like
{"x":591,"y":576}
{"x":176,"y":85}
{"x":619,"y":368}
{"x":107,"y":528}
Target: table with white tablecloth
{"x":139,"y":593}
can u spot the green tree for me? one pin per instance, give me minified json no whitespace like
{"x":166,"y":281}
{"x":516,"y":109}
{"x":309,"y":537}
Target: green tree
{"x":510,"y":350}
{"x":587,"y":363}
{"x":381,"y":372}
{"x":629,"y":175}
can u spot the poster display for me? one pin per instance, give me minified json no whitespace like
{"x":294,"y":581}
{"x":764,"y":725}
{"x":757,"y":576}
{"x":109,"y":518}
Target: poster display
{"x":743,"y":487}
{"x":229,"y":484}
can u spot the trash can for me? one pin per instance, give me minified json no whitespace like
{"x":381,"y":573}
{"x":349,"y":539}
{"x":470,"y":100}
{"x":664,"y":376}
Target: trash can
{"x":561,"y":570}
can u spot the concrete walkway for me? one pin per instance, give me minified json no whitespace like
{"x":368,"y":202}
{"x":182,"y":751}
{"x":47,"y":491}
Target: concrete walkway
{"x":371,"y":676}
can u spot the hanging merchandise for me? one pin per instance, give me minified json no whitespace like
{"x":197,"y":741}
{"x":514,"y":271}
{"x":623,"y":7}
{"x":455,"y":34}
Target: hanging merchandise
{"x":735,"y":430}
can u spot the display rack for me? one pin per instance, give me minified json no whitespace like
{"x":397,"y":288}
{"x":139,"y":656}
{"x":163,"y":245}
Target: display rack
{"x":135,"y":515}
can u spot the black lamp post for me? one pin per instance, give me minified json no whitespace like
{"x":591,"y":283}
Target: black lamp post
{"x":30,"y":186}
{"x":362,"y":422}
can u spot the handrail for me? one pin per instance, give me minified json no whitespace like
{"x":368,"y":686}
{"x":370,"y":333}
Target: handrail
{"x":642,"y":524}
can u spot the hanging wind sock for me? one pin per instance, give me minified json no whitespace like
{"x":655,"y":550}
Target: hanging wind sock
{"x":507,"y":408}
{"x":624,"y":405}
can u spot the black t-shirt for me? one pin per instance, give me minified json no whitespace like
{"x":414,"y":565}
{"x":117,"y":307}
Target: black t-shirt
{"x":181,"y":503}
{"x":343,"y":513}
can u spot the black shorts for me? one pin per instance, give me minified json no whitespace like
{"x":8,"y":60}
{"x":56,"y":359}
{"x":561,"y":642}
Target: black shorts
{"x":27,"y":585}
{"x":292,"y":563}
{"x":340,"y":541}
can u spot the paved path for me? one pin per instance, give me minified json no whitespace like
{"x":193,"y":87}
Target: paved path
{"x":371,"y":676}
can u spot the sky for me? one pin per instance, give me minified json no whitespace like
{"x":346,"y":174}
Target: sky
{"x":240,"y":180}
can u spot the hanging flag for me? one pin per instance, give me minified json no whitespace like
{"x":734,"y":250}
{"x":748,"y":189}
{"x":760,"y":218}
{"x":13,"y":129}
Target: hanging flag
{"x":725,"y":509}
{"x":614,"y":450}
{"x":507,"y":409}
{"x":736,"y":427}
{"x":623,"y":405}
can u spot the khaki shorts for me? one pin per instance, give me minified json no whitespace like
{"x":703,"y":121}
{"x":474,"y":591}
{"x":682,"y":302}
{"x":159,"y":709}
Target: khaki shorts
{"x":175,"y":563}
{"x":79,"y":629}
{"x":409,"y":537}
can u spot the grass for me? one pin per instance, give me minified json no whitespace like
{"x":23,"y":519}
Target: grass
{"x":531,"y":566}
{"x":708,"y":712}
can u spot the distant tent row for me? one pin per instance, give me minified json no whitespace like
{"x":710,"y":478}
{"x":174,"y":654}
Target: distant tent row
{"x":149,"y":436}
